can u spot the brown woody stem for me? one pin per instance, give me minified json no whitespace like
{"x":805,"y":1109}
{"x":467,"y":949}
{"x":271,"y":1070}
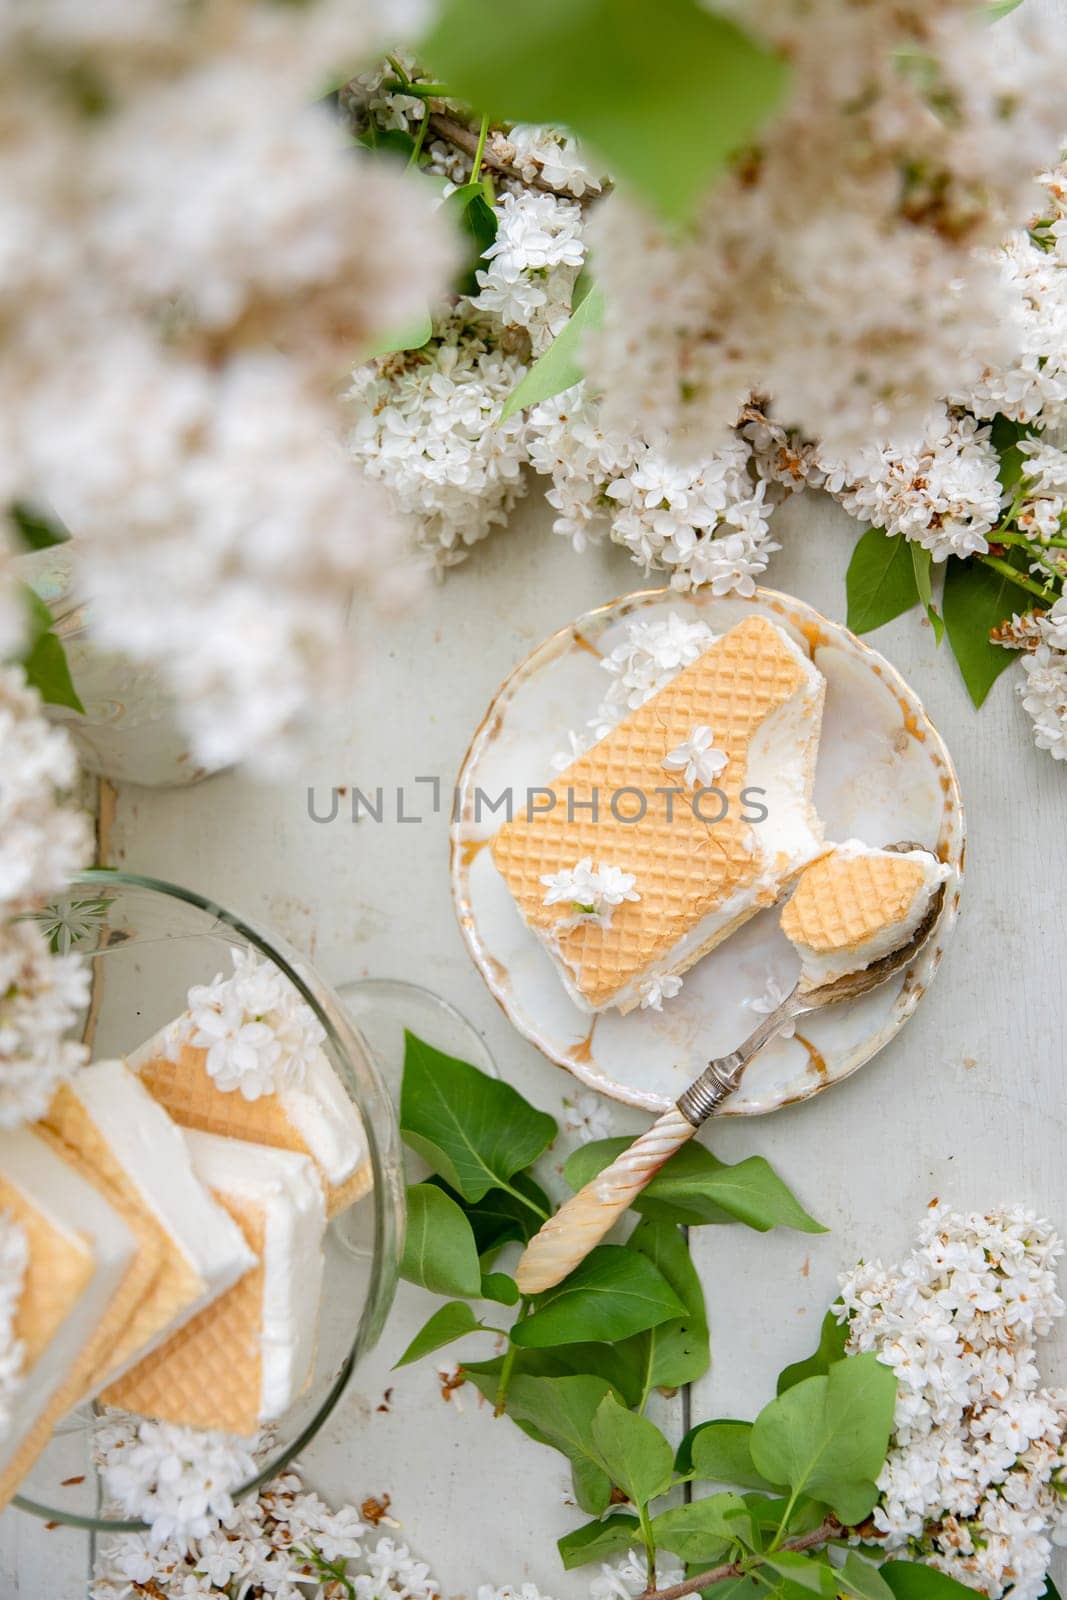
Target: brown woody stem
{"x":830,"y":1529}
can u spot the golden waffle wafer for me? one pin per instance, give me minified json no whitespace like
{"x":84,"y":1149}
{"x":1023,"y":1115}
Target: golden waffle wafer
{"x":209,"y":1373}
{"x":246,"y":1358}
{"x":59,"y":1267}
{"x":120,"y":1273}
{"x":174,"y":1285}
{"x":187,"y":1092}
{"x":689,"y":868}
{"x":844,"y":900}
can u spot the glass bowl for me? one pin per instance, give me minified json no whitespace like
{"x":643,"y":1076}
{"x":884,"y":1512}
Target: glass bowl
{"x":148,"y":942}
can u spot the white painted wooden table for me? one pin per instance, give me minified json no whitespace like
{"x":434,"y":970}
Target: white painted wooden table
{"x":968,"y":1103}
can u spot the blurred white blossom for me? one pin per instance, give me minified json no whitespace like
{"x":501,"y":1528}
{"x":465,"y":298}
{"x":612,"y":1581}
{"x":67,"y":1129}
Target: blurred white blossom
{"x":41,"y":996}
{"x":846,"y":267}
{"x":190,"y":254}
{"x":14,"y":1258}
{"x":42,"y":839}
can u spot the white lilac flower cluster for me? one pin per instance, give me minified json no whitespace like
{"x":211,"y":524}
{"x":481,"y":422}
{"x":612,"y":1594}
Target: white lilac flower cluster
{"x":1044,"y":690}
{"x":975,"y":1481}
{"x":180,"y":1481}
{"x":286,"y":1544}
{"x":428,"y":426}
{"x":590,"y":893}
{"x":534,"y":263}
{"x":195,"y":253}
{"x":14,"y":1257}
{"x":653,"y":650}
{"x":845,"y":267}
{"x":428,"y":422}
{"x":886,"y":321}
{"x":943,"y":492}
{"x":42,"y":842}
{"x":259,"y":1035}
{"x":705,"y":522}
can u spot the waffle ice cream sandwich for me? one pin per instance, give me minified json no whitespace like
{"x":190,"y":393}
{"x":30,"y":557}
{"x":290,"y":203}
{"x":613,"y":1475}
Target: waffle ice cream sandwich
{"x":315,"y":1119}
{"x":244,"y":1360}
{"x":701,"y":861}
{"x":115,"y":1129}
{"x":83,"y":1278}
{"x":856,"y":905}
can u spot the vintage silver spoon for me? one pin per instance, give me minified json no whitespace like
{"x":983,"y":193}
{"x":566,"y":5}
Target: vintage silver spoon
{"x":581,"y":1222}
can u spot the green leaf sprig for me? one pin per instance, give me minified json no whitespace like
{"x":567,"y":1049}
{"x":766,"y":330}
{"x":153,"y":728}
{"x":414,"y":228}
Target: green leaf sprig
{"x":580,"y":1361}
{"x":889,"y":574}
{"x":773,"y":1506}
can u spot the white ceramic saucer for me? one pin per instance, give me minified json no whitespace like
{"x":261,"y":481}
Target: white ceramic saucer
{"x":883,"y":775}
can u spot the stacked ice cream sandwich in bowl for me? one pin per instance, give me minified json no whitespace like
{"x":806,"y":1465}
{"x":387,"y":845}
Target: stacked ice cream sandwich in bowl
{"x":172,"y":1229}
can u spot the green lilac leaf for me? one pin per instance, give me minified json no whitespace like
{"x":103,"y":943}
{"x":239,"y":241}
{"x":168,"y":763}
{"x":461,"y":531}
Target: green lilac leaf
{"x":721,"y":1452}
{"x":497,"y":1286}
{"x":744,"y":1588}
{"x":1005,"y":438}
{"x":880,"y":582}
{"x":388,"y":141}
{"x":976,"y":599}
{"x":499,"y":1217}
{"x":471,"y":211}
{"x":475,"y":1131}
{"x":700,"y":1531}
{"x":410,"y":337}
{"x":439,"y":1248}
{"x":620,"y":1364}
{"x":695,"y":1187}
{"x":560,"y":366}
{"x":806,"y":1572}
{"x":612,"y":1294}
{"x":833,"y":1337}
{"x":44,"y":660}
{"x":37,"y":529}
{"x":922,"y":561}
{"x":632,"y":1451}
{"x":677,"y":1352}
{"x":592,"y":1491}
{"x":913,"y":1580}
{"x":603,"y":1361}
{"x":596,"y":1541}
{"x":827,"y":1436}
{"x":861,"y":1578}
{"x":446,"y":1325}
{"x":559,"y":1412}
{"x":665,"y":93}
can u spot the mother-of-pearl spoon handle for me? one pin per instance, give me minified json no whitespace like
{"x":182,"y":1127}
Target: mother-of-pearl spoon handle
{"x":579,"y":1224}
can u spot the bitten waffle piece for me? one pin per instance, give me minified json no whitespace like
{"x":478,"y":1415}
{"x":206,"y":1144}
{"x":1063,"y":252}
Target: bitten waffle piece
{"x":316,"y":1119}
{"x":113,"y":1126}
{"x":81,"y":1283}
{"x":244,"y":1360}
{"x":696,"y":863}
{"x":856,"y":905}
